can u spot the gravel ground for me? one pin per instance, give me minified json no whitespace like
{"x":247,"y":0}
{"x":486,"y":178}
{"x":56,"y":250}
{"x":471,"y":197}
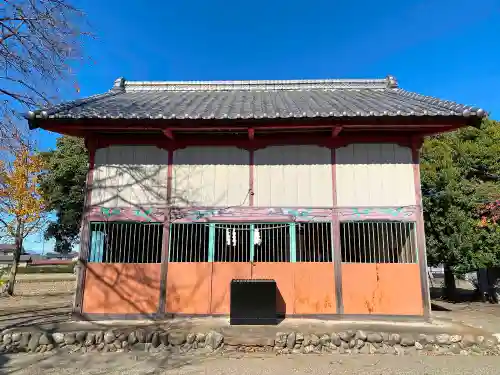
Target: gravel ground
{"x":37,"y":302}
{"x":147,"y":363}
{"x":44,"y":287}
{"x":475,"y":314}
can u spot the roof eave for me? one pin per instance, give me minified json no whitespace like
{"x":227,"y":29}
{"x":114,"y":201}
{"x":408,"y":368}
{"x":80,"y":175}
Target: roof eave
{"x":78,"y":127}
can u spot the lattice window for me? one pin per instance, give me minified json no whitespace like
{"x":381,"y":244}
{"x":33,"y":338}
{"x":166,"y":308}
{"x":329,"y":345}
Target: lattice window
{"x":125,"y":242}
{"x":189,"y":242}
{"x":314,"y":242}
{"x":245,"y":242}
{"x":271,"y":242}
{"x":378,"y":242}
{"x":232,"y":243}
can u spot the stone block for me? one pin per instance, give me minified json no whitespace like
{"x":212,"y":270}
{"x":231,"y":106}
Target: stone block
{"x":69,"y":338}
{"x":132,"y":338}
{"x":191,"y":338}
{"x":177,"y":338}
{"x":16,"y":337}
{"x":34,"y":342}
{"x":99,"y":337}
{"x":109,"y":337}
{"x":290,"y":340}
{"x":314,"y":339}
{"x":155,"y":340}
{"x":200,"y":337}
{"x":81,"y":336}
{"x":280,"y":340}
{"x":374,"y":337}
{"x":407,"y":340}
{"x":394,"y":339}
{"x":141,"y":335}
{"x":214,"y":340}
{"x":324,"y":340}
{"x":45,"y":339}
{"x":361,"y":335}
{"x":58,"y":337}
{"x":467,"y":341}
{"x":443,"y":339}
{"x":90,"y":339}
{"x":335,"y":339}
{"x":346,"y":336}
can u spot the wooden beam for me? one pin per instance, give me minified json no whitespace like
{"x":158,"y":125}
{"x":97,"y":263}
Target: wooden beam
{"x":169,"y":134}
{"x":258,"y":142}
{"x":336,"y":131}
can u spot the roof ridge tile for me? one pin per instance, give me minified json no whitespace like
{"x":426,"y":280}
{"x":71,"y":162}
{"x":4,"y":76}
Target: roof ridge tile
{"x":257,"y":85}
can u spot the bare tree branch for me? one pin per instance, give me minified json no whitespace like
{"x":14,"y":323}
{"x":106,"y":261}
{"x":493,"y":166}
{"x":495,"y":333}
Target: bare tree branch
{"x":39,"y":40}
{"x":12,"y":32}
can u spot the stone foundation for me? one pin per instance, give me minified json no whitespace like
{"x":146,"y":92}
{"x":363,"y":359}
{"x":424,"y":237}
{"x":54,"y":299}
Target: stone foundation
{"x":182,"y":341}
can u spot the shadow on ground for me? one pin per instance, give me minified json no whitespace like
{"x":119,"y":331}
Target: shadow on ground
{"x":144,"y":363}
{"x":19,"y":316}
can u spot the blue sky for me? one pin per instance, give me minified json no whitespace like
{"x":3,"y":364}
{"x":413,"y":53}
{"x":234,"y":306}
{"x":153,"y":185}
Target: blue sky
{"x":449,"y":49}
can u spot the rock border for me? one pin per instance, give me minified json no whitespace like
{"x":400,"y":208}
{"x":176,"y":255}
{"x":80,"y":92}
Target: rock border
{"x":179,"y":341}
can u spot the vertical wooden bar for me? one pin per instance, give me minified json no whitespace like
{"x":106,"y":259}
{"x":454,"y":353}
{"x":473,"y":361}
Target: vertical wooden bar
{"x":91,"y":144}
{"x":421,"y":253}
{"x":293,"y":242}
{"x":251,"y":168}
{"x":162,"y":305}
{"x":337,"y":256}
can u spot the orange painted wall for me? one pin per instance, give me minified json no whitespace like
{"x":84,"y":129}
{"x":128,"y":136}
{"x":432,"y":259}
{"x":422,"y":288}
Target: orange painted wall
{"x":381,"y":288}
{"x":314,"y":286}
{"x":222,"y":275}
{"x":189,"y":288}
{"x":204,"y":288}
{"x":283,"y":274}
{"x":116,"y":288}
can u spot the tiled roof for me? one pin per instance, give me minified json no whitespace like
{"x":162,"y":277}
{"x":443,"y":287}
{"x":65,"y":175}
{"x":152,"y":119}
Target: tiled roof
{"x":255,"y":100}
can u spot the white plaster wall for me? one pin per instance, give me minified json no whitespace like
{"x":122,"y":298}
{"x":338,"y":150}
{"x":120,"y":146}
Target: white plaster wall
{"x":293,"y":176}
{"x":130,"y":176}
{"x":374,"y":175}
{"x":211,"y":176}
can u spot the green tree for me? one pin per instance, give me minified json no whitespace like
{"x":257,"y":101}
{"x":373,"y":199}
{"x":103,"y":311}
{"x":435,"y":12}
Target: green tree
{"x":63,"y":186}
{"x":461,"y":184}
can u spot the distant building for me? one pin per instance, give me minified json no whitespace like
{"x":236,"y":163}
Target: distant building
{"x":7,"y":249}
{"x":67,"y":256}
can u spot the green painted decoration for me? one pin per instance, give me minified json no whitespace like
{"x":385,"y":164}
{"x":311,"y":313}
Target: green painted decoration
{"x":293,"y":242}
{"x":252,"y":242}
{"x":211,"y":242}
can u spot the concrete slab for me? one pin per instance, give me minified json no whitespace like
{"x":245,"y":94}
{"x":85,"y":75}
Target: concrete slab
{"x":293,"y":324}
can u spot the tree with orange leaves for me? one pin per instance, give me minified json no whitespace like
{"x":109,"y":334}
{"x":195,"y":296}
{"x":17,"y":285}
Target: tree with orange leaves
{"x":22,"y":208}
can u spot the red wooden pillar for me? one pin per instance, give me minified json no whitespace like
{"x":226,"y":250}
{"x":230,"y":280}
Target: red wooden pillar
{"x":162,"y":305}
{"x":337,"y":254}
{"x":422,"y":253}
{"x":91,"y":144}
